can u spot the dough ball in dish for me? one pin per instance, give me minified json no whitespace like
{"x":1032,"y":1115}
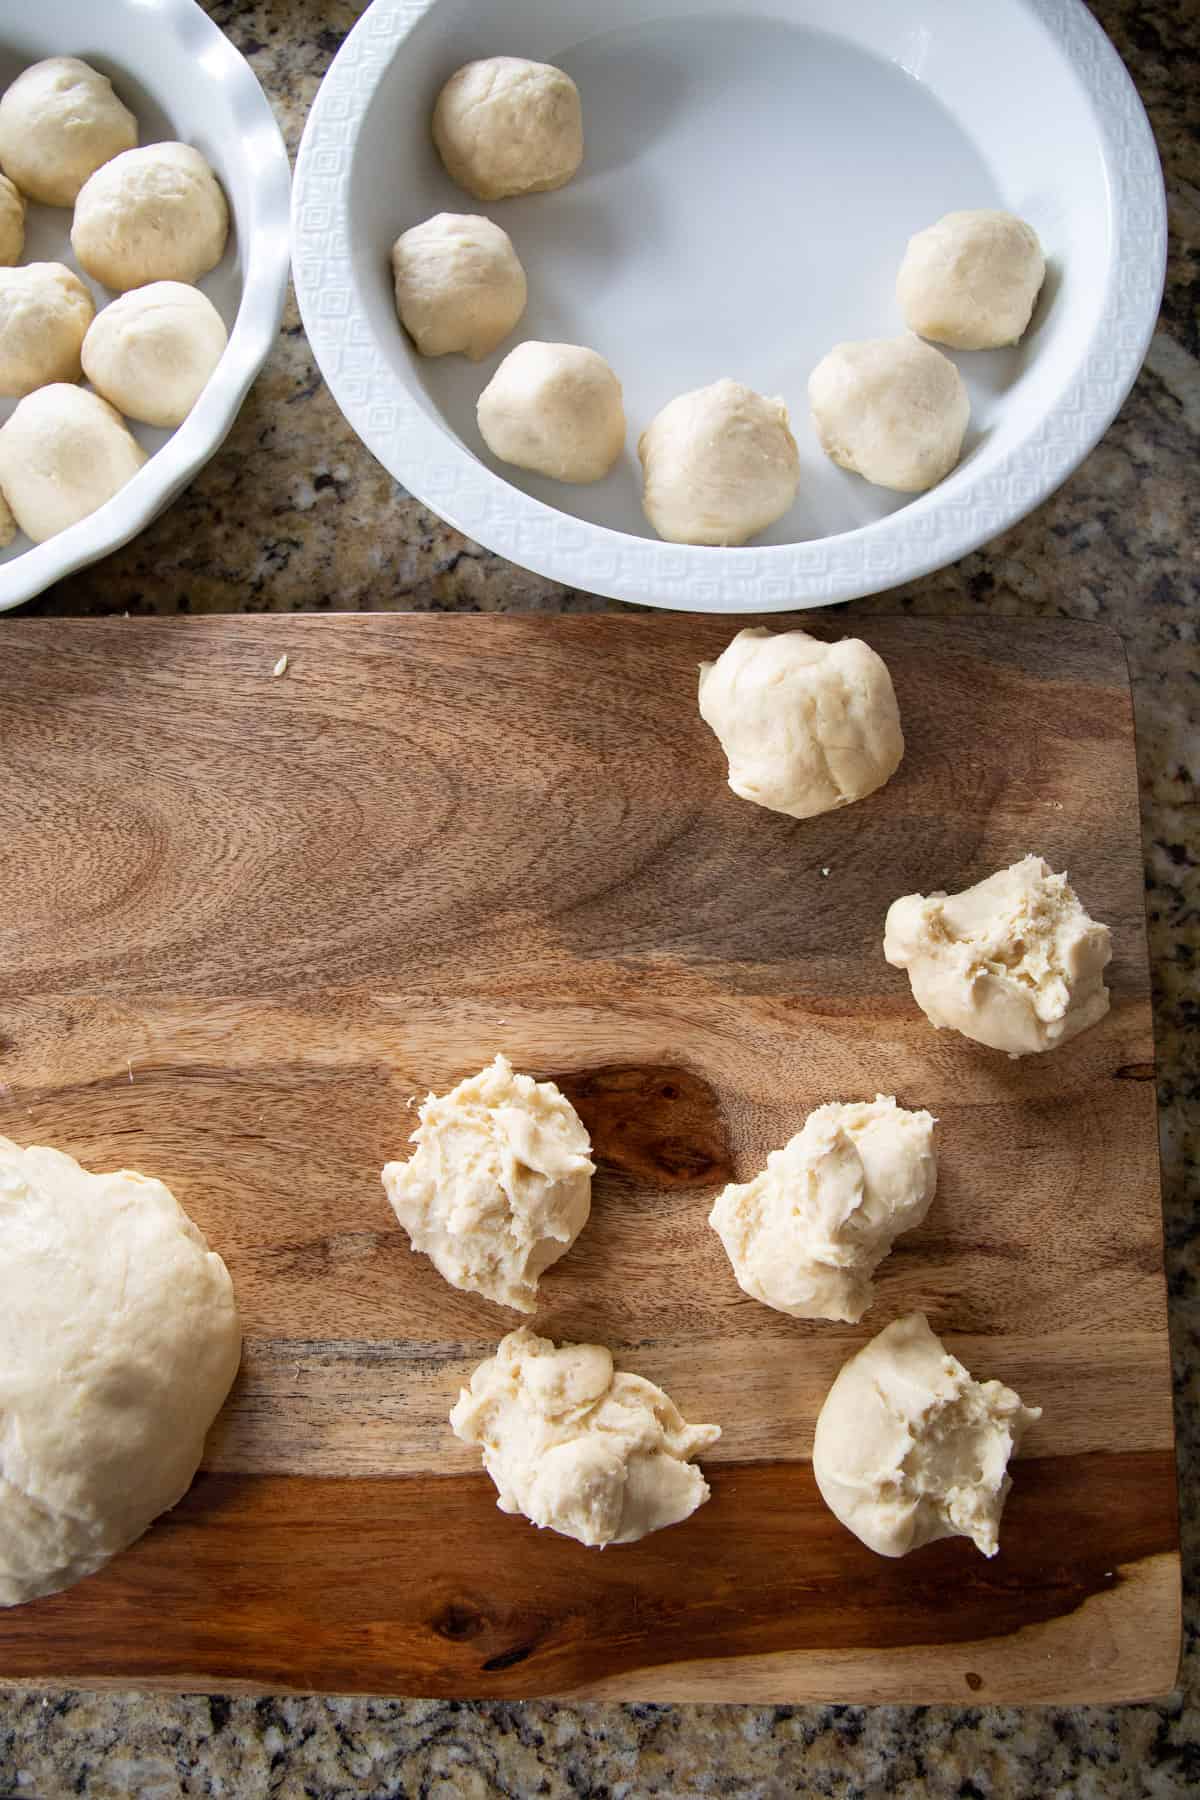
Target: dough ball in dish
{"x":1013,"y":962}
{"x":59,"y":122}
{"x":63,"y":453}
{"x":507,"y":126}
{"x":45,"y":311}
{"x":909,"y":1448}
{"x":893,"y":410}
{"x":578,"y":1446}
{"x":119,"y":1340}
{"x":806,"y":726}
{"x":972,"y":280}
{"x":459,"y":285}
{"x":718,"y":465}
{"x":155,"y":214}
{"x":500,"y":1184}
{"x":556,"y":409}
{"x":806,"y":1235}
{"x":12,"y":223}
{"x":151,"y":352}
{"x":8,"y":525}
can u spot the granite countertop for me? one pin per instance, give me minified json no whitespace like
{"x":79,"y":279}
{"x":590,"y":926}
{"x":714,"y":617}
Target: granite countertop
{"x":329,"y":529}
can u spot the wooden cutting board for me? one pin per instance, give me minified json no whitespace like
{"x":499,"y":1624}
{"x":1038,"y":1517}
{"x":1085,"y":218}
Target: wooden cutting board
{"x":245,"y":922}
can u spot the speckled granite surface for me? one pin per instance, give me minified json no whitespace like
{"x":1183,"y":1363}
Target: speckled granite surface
{"x":327,"y":528}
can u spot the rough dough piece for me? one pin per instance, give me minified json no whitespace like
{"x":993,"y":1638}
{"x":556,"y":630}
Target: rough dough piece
{"x":908,"y":1448}
{"x":12,"y":223}
{"x":459,"y":285}
{"x":806,"y":1235}
{"x":119,"y":1340}
{"x":45,"y":311}
{"x":556,"y":409}
{"x":507,"y":126}
{"x":63,"y":453}
{"x":151,"y":352}
{"x":719,"y":465}
{"x":500,"y":1185}
{"x":59,"y":122}
{"x":155,"y":214}
{"x":591,"y":1452}
{"x":8,"y":525}
{"x":1013,"y":962}
{"x":806,"y":726}
{"x":893,"y":410}
{"x":972,"y":280}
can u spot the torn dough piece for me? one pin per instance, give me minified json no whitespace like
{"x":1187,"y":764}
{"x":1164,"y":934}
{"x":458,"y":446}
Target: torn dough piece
{"x":592,"y":1452}
{"x":909,"y":1448}
{"x":806,"y":1235}
{"x":119,"y":1340}
{"x":1013,"y":962}
{"x":500,"y":1185}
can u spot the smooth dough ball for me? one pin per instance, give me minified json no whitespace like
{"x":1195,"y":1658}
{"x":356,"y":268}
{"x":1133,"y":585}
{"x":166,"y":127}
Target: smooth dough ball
{"x":151,"y":352}
{"x":1013,"y":962}
{"x":908,"y":1448}
{"x":718,"y":465}
{"x":119,"y":1340}
{"x":579,"y":1447}
{"x":59,"y":122}
{"x":63,"y":453}
{"x":45,"y":311}
{"x":12,"y":223}
{"x":507,"y":126}
{"x":806,"y":726}
{"x":155,"y":214}
{"x":8,"y":525}
{"x":500,"y":1185}
{"x":459,"y":285}
{"x":972,"y":280}
{"x":556,"y":409}
{"x":806,"y":1235}
{"x":893,"y":410}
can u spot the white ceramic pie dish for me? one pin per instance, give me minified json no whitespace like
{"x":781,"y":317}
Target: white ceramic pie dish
{"x":182,"y":77}
{"x":752,"y":174}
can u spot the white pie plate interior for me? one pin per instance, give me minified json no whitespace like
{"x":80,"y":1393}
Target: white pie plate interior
{"x":181,"y":76}
{"x":751,"y":176}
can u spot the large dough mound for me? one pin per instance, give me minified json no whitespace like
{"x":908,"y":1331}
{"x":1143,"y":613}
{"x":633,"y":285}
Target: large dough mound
{"x":119,"y":1340}
{"x":575,"y":1445}
{"x":556,"y":409}
{"x":504,"y":125}
{"x":806,"y":726}
{"x":719,"y":464}
{"x":908,"y":1448}
{"x":459,"y":285}
{"x":59,"y":122}
{"x":152,"y":351}
{"x":893,"y":410}
{"x":806,"y":1235}
{"x":155,"y":214}
{"x":971,"y":280}
{"x":63,"y":453}
{"x":1013,"y":962}
{"x":45,"y":311}
{"x":500,"y":1185}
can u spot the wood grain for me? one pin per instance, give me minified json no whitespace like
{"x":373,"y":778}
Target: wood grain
{"x":246,"y":922}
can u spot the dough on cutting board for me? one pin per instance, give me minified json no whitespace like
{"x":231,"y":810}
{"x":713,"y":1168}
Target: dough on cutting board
{"x":893,"y":410}
{"x":119,"y":1340}
{"x":806,"y":1235}
{"x":504,"y":125}
{"x":59,"y":122}
{"x":972,"y":280}
{"x":1013,"y":962}
{"x":719,"y":464}
{"x":589,"y":1451}
{"x":45,"y":311}
{"x":154,"y":214}
{"x":500,"y":1184}
{"x":909,"y":1448}
{"x":150,"y":353}
{"x":12,"y":223}
{"x":806,"y":725}
{"x":556,"y":409}
{"x":459,"y":285}
{"x":63,"y":453}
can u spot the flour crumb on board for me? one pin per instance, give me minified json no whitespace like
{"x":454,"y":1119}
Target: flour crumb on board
{"x":281,"y":666}
{"x":129,"y":1066}
{"x":826,"y":871}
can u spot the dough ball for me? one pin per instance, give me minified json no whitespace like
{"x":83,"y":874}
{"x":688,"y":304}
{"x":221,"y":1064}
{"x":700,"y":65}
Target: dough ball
{"x":8,"y":525}
{"x":579,"y":1447}
{"x":119,"y":1340}
{"x":556,"y":409}
{"x":151,"y":351}
{"x":1013,"y":962}
{"x":507,"y":126}
{"x":59,"y":122}
{"x":893,"y":410}
{"x":63,"y":453}
{"x":908,"y":1448}
{"x":45,"y":311}
{"x":806,"y":1235}
{"x":155,"y":214}
{"x":459,"y":285}
{"x":972,"y":280}
{"x":718,"y":465}
{"x":806,"y":725}
{"x":500,"y":1185}
{"x":12,"y":223}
